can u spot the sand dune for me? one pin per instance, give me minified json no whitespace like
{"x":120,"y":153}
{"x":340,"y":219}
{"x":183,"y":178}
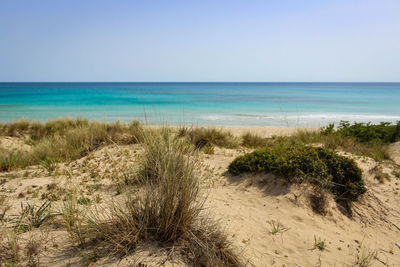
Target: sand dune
{"x":269,"y":221}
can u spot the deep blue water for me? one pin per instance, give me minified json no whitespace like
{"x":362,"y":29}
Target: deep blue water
{"x":277,"y":104}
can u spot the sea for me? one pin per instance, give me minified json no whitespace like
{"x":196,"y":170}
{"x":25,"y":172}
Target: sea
{"x":225,"y":104}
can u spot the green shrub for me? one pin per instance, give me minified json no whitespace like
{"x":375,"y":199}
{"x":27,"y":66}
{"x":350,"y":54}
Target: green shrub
{"x":385,"y":132}
{"x":298,"y":163}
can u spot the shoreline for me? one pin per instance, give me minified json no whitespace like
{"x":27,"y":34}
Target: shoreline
{"x":263,"y":131}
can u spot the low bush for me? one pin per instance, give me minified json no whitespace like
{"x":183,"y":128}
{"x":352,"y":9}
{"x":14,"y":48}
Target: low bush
{"x":385,"y":132}
{"x":299,"y":163}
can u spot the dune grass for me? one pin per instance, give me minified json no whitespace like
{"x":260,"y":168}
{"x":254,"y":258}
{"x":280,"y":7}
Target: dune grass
{"x":203,"y":136}
{"x":68,"y":139}
{"x":63,"y":140}
{"x":254,"y":140}
{"x":336,"y":141}
{"x":165,"y":206}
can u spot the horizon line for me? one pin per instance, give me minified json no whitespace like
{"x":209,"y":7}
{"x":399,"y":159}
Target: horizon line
{"x":197,"y":82}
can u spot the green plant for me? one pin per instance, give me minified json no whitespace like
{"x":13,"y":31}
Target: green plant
{"x":385,"y":132}
{"x":84,"y":200}
{"x":328,"y":130}
{"x":319,"y":243}
{"x":73,"y":219}
{"x":32,"y":216}
{"x":333,"y":139}
{"x":49,"y":164}
{"x":277,"y":227}
{"x":300,"y":163}
{"x":12,"y":160}
{"x":208,"y":149}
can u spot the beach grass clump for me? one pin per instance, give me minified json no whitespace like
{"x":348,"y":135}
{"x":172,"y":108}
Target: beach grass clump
{"x":202,"y":136}
{"x":253,"y":140}
{"x":299,"y":163}
{"x":33,"y":216}
{"x":10,"y":160}
{"x":165,"y":206}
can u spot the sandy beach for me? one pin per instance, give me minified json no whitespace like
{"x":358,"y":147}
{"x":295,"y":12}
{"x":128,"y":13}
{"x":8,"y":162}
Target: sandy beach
{"x":268,"y":221}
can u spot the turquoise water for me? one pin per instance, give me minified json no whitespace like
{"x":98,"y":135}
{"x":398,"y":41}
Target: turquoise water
{"x":274,"y":104}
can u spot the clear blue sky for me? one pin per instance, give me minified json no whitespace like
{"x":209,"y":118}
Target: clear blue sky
{"x":208,"y":40}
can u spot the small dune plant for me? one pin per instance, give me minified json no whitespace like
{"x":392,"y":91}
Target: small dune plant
{"x":33,"y":216}
{"x":277,"y":227}
{"x":319,"y":243}
{"x":300,"y":163}
{"x":9,"y":248}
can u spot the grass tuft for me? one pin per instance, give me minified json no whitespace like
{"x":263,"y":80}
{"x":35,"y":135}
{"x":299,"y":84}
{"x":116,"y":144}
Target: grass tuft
{"x":166,"y":207}
{"x":33,"y":217}
{"x":201,"y":136}
{"x":254,"y":141}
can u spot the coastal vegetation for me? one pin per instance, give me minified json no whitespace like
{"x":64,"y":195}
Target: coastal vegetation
{"x":62,"y":140}
{"x":167,"y":208}
{"x":202,"y":136}
{"x":299,"y":163}
{"x":155,"y":189}
{"x":162,"y":201}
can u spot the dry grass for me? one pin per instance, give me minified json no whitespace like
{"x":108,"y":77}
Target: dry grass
{"x":166,"y":207}
{"x":254,"y":141}
{"x":334,"y":141}
{"x":365,"y":257}
{"x":9,"y":248}
{"x":63,"y":140}
{"x":202,"y":136}
{"x":318,"y":201}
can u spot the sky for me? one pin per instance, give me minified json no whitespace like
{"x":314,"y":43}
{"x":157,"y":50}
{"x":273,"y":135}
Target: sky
{"x":208,"y":40}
